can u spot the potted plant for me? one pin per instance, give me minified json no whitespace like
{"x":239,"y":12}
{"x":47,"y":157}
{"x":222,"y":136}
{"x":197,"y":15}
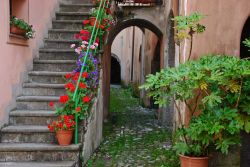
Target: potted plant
{"x":215,"y":90}
{"x":20,"y":27}
{"x":63,"y":127}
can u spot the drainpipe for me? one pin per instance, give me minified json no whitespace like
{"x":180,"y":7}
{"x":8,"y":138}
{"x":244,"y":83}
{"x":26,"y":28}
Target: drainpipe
{"x":132,"y":59}
{"x":185,"y":41}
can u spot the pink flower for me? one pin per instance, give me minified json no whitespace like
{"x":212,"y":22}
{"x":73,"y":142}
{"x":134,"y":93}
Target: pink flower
{"x":85,"y":43}
{"x":78,"y":50}
{"x":96,"y":44}
{"x":72,"y":45}
{"x":83,"y":46}
{"x":92,"y":47}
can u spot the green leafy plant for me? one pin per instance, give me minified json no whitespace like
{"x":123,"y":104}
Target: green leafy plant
{"x":216,"y":91}
{"x":20,"y":23}
{"x":187,"y":26}
{"x":246,"y":42}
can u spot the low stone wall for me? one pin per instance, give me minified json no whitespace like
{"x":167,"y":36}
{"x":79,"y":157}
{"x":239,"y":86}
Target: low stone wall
{"x":93,"y":133}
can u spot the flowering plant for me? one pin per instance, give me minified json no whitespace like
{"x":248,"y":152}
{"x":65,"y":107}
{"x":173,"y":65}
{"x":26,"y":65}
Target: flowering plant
{"x":64,"y":122}
{"x":20,"y":23}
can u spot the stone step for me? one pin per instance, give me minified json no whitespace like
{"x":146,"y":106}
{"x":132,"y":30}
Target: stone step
{"x":36,"y":89}
{"x":48,"y":77}
{"x":32,"y":117}
{"x":27,"y":134}
{"x":54,"y":65}
{"x":15,"y":152}
{"x":62,"y":34}
{"x":36,"y":102}
{"x":72,"y":15}
{"x":76,"y":1}
{"x":67,"y":24}
{"x":38,"y":164}
{"x":76,"y":7}
{"x":59,"y":43}
{"x":57,"y":54}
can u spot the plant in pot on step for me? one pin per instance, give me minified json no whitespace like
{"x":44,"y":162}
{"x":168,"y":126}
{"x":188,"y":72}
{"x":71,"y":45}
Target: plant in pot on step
{"x":20,"y":27}
{"x":63,"y":127}
{"x":214,"y":91}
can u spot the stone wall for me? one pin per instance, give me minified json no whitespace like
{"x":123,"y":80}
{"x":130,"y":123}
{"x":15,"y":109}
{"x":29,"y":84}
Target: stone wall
{"x":93,"y":133}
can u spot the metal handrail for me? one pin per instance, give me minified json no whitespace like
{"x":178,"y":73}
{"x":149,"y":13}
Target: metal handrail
{"x":93,"y":37}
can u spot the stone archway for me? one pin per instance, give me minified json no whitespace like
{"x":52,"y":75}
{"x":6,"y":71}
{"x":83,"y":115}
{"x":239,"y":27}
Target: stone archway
{"x":245,"y":53}
{"x":141,"y":23}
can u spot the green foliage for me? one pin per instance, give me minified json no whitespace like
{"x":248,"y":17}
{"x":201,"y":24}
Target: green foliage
{"x":20,"y":23}
{"x":219,"y":86}
{"x":186,"y":26}
{"x":246,"y":42}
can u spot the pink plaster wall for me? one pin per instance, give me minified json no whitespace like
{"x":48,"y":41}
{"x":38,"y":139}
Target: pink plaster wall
{"x":14,"y":58}
{"x":224,"y":21}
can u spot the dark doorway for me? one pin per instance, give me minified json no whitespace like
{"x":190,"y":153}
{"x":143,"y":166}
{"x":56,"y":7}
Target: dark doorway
{"x":244,"y":53}
{"x":115,"y":72}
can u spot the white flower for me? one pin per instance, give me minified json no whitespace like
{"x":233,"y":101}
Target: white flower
{"x":83,"y":46}
{"x":78,"y":50}
{"x":96,"y":44}
{"x":72,"y":45}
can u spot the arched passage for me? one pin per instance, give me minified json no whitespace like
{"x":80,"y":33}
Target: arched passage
{"x":115,"y":73}
{"x":245,"y":53}
{"x":141,"y":23}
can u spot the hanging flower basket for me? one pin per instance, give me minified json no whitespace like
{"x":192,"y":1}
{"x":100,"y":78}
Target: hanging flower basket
{"x":64,"y":137}
{"x":16,"y":30}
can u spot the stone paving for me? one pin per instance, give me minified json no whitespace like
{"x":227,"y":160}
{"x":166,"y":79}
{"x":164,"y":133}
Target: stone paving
{"x":134,"y":139}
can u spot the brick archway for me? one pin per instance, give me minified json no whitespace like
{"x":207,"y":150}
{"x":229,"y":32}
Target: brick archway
{"x":141,"y":23}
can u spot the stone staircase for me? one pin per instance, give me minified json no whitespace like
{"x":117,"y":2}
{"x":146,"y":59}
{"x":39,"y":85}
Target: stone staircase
{"x":26,"y":141}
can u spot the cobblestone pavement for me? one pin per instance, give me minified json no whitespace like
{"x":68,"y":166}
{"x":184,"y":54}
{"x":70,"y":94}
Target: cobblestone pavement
{"x":133,"y":138}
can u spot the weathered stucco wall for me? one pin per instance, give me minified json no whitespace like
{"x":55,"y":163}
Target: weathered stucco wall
{"x":16,"y":54}
{"x":224,"y":21}
{"x":122,"y":47}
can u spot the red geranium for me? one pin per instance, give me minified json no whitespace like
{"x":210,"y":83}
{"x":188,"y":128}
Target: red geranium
{"x":78,"y":109}
{"x":82,"y":85}
{"x":67,"y":76}
{"x":51,"y":104}
{"x":64,"y":122}
{"x":85,"y":38}
{"x":85,"y":22}
{"x":86,"y":99}
{"x":77,"y":36}
{"x":64,"y":99}
{"x":84,"y":75}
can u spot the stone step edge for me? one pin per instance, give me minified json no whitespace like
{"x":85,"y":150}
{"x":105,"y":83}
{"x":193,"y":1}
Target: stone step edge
{"x":34,"y":147}
{"x":42,"y":85}
{"x":38,"y":61}
{"x":72,"y":13}
{"x":63,"y":30}
{"x":61,"y":40}
{"x":25,"y":129}
{"x":37,"y":98}
{"x":38,"y":164}
{"x":32,"y":113}
{"x":47,"y":73}
{"x":68,"y":21}
{"x":56,"y":50}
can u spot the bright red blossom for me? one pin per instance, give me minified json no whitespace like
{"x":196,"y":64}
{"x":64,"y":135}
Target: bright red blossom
{"x":51,"y":104}
{"x":82,"y":85}
{"x":67,"y":76}
{"x":86,"y":99}
{"x":64,"y":99}
{"x":85,"y":22}
{"x":84,"y":75}
{"x":78,"y":109}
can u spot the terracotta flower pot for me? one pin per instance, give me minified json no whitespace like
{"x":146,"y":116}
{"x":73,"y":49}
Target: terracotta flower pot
{"x":64,"y":137}
{"x":17,"y":30}
{"x":193,"y":161}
